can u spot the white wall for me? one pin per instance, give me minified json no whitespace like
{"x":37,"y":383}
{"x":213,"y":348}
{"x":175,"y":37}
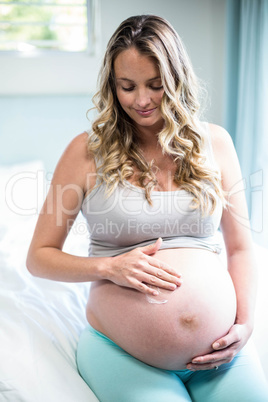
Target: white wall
{"x":40,"y":126}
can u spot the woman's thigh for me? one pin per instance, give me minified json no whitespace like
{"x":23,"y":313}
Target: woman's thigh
{"x":114,"y":375}
{"x":240,"y":380}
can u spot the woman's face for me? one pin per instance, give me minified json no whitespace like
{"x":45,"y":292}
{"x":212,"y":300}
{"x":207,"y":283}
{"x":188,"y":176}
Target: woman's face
{"x":138,"y":87}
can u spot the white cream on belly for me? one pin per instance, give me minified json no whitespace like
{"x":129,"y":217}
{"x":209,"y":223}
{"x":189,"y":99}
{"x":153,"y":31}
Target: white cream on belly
{"x":170,"y":329}
{"x":158,"y":299}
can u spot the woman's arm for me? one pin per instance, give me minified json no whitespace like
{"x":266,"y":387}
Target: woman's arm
{"x":45,"y":258}
{"x":73,"y":177}
{"x":240,"y":255}
{"x":236,"y":231}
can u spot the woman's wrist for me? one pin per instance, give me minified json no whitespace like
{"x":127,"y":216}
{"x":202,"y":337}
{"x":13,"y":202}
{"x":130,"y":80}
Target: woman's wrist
{"x":104,"y":267}
{"x":247,"y":324}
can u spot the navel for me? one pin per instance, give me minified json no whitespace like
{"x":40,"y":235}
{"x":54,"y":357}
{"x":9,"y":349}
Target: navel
{"x":188,"y":320}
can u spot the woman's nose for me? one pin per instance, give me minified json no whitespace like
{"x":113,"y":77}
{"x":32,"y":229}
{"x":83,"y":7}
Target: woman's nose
{"x":143,"y":98}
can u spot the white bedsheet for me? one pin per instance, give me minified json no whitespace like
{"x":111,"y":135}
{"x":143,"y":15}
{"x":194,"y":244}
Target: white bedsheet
{"x":41,"y":320}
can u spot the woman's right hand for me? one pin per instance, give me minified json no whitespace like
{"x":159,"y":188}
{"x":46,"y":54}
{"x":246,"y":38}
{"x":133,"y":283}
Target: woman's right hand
{"x":138,"y":268}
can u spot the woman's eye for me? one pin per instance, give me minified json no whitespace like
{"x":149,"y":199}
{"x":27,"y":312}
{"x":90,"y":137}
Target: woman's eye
{"x":128,"y":89}
{"x":157,"y":88}
{"x":132,"y":88}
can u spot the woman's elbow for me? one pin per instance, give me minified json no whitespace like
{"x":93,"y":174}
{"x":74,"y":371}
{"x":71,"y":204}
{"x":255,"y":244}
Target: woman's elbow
{"x":29,"y":263}
{"x":32,"y":263}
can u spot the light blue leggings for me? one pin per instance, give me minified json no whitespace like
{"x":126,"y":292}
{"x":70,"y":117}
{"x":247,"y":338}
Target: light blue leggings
{"x":115,"y":376}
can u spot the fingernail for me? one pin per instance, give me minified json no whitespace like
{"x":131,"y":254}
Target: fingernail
{"x":216,"y":345}
{"x":155,"y":293}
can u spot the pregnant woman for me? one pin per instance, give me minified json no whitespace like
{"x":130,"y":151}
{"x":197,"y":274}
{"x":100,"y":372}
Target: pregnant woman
{"x":168,"y":321}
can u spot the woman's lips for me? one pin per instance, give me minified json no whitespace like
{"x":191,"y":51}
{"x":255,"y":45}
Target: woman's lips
{"x":147,"y":112}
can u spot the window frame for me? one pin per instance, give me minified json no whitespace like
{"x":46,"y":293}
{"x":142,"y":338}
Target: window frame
{"x":93,"y":37}
{"x":54,"y":72}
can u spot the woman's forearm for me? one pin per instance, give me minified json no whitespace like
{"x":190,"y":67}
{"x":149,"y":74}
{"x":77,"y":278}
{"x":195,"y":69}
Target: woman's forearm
{"x":243,"y":271}
{"x":52,"y":263}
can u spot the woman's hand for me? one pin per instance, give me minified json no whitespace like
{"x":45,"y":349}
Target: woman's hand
{"x":225,"y":349}
{"x":137,"y":269}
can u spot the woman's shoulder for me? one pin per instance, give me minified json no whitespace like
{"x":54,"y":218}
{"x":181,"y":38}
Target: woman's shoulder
{"x":78,"y":144}
{"x":223,"y":149}
{"x":219,"y":136}
{"x":221,"y":141}
{"x":76,"y":164}
{"x":77,"y":150}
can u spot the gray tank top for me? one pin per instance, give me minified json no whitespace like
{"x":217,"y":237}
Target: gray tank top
{"x":125,"y":220}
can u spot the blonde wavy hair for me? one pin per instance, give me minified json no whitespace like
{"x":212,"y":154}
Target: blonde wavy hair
{"x":113,"y":138}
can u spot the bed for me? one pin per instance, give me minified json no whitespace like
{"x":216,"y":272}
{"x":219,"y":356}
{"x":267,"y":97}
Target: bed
{"x":41,"y":320}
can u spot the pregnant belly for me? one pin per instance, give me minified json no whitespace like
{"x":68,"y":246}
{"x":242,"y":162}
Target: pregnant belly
{"x":170,"y":329}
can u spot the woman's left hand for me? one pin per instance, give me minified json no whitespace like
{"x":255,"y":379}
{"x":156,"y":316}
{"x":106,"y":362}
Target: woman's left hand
{"x":225,"y":349}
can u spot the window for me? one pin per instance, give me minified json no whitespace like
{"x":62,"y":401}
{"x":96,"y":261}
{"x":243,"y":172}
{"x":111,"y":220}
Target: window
{"x":54,"y":25}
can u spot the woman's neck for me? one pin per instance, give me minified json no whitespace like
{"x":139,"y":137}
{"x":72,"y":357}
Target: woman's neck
{"x":148,"y":136}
